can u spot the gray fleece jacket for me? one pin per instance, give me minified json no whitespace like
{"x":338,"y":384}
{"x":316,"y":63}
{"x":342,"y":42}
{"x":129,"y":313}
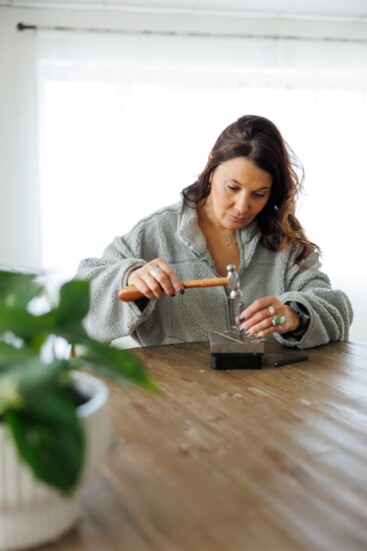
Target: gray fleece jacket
{"x":173,"y":234}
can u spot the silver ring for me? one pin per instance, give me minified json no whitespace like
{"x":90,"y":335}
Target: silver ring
{"x":278,"y":320}
{"x":154,"y":271}
{"x":271,"y":310}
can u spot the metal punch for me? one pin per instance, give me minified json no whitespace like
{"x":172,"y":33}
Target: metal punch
{"x":232,"y":349}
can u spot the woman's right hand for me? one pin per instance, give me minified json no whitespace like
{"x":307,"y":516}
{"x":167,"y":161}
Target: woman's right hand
{"x":155,"y":279}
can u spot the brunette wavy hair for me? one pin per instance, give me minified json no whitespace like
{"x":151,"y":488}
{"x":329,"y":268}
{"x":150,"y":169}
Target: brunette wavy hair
{"x":259,"y":140}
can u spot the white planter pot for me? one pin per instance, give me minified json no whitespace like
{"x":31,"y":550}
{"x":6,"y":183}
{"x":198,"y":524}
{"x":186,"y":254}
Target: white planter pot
{"x":32,"y":513}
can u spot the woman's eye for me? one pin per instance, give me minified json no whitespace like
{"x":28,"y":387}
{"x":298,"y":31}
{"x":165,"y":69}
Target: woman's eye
{"x":232,"y":188}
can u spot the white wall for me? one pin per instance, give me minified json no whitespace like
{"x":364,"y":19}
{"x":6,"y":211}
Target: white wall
{"x":19,"y":210}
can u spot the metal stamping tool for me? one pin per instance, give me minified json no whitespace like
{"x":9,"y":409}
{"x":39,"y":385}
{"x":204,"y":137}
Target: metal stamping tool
{"x":231,"y":349}
{"x":235,"y":291}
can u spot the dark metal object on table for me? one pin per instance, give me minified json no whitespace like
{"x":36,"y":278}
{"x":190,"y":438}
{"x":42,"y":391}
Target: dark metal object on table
{"x":231,"y":350}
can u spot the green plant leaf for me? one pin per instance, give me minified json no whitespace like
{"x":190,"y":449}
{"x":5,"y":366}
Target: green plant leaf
{"x":10,"y":355}
{"x":25,"y":325}
{"x":116,"y":364}
{"x":10,"y":281}
{"x":50,"y":439}
{"x":74,"y":303}
{"x":40,"y":379}
{"x":35,"y":399}
{"x":17,"y":289}
{"x":29,"y":380}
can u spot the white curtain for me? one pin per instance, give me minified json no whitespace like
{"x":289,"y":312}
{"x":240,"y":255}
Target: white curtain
{"x":127,"y":121}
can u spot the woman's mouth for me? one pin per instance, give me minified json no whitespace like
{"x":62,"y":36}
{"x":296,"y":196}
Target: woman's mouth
{"x":237,"y":219}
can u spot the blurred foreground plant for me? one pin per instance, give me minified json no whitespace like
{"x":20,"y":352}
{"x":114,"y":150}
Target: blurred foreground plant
{"x":37,"y":401}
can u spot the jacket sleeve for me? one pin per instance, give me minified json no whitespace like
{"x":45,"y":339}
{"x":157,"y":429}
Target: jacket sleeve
{"x":109,"y":318}
{"x":330,"y":310}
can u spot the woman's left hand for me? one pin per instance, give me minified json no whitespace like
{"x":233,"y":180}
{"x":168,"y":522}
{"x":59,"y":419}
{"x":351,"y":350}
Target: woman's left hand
{"x":267,"y":315}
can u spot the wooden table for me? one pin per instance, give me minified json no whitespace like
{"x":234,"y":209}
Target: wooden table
{"x":265,"y":460}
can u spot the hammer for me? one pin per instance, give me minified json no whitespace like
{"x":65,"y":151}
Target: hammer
{"x":131,"y":293}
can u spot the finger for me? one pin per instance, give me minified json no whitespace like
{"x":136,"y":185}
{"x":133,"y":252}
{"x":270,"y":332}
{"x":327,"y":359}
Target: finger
{"x":159,"y":283}
{"x":166,"y":277}
{"x":268,"y":331}
{"x":261,"y":309}
{"x":261,"y":319}
{"x":261,"y":304}
{"x":260,"y":328}
{"x":267,"y":327}
{"x":273,"y":318}
{"x":277,"y":321}
{"x":148,"y":286}
{"x":153,"y":270}
{"x":145,"y":283}
{"x":175,"y":281}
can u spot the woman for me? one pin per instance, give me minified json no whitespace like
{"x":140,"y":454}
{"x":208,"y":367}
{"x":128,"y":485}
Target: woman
{"x":241,"y":211}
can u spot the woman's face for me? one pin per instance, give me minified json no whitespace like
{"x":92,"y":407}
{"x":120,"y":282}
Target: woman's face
{"x":239,"y":191}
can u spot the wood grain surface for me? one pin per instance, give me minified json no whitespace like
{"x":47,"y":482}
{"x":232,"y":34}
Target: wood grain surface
{"x":266,"y":460}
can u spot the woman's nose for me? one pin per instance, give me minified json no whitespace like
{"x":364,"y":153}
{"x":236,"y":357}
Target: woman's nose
{"x":242,"y":205}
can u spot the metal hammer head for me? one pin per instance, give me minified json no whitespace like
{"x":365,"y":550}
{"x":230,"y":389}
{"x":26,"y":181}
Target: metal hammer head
{"x":233,"y":282}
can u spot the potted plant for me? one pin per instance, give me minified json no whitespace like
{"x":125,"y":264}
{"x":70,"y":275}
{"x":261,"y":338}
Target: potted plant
{"x":53,"y":416}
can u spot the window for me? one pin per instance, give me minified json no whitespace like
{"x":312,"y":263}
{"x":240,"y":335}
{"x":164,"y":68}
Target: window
{"x":127,"y":121}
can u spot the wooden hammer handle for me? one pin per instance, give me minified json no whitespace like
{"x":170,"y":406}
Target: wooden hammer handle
{"x":131,"y":293}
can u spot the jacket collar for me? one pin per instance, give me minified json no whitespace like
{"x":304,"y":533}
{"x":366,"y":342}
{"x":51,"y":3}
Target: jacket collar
{"x":189,"y":233}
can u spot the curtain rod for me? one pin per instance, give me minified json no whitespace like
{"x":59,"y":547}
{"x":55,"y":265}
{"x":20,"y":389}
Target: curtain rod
{"x":26,"y":27}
